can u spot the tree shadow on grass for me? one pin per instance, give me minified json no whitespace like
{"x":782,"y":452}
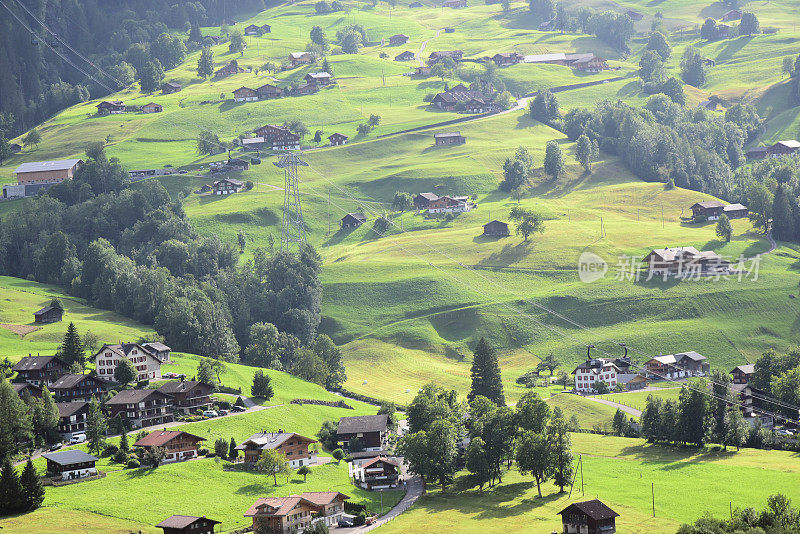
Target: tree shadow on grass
{"x":255,"y":489}
{"x":509,"y":254}
{"x":672,"y":457}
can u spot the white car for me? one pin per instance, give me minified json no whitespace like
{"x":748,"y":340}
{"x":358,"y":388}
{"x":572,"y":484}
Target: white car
{"x":210,"y":413}
{"x":77,"y":438}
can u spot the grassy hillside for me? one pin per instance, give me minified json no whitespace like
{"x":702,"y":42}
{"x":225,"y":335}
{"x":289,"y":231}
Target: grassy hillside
{"x":619,"y":472}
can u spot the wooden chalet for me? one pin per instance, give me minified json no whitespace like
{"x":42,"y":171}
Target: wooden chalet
{"x":152,"y":107}
{"x":684,"y":261}
{"x":466,"y":100}
{"x":278,"y":137}
{"x":228,"y":70}
{"x":112,"y":107}
{"x":168,"y":88}
{"x":733,"y":14}
{"x":266,"y":28}
{"x":252,"y":30}
{"x":449,"y":138}
{"x":590,"y":64}
{"x":710,"y":209}
{"x":70,"y":464}
{"x":450,"y":204}
{"x":680,"y":365}
{"x":631,"y":381}
{"x":454,"y":3}
{"x":72,"y":418}
{"x":305,"y":89}
{"x":422,"y":71}
{"x":319,"y":78}
{"x":245,"y":94}
{"x":337,"y":139}
{"x":455,"y":55}
{"x":588,"y":517}
{"x":496,"y":229}
{"x":40,"y":370}
{"x":300,"y":58}
{"x":353,"y":220}
{"x":505,"y":59}
{"x":372,"y":430}
{"x":423,"y":201}
{"x":377,"y":473}
{"x":269,"y":91}
{"x":285,"y":515}
{"x":188,"y":524}
{"x":178,"y":445}
{"x":141,"y":407}
{"x":227,"y":186}
{"x":48,"y":314}
{"x":724,"y":31}
{"x":735,"y":211}
{"x":783,"y":148}
{"x":294,"y":446}
{"x":26,"y":388}
{"x":757,"y":152}
{"x":741,"y":373}
{"x":407,"y":55}
{"x":399,"y":39}
{"x":189,"y":396}
{"x":74,"y":387}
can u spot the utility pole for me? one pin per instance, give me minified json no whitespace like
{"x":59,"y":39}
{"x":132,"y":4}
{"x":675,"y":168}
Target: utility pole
{"x":329,"y":212}
{"x":580,"y":461}
{"x":293,"y":232}
{"x":653,"y":493}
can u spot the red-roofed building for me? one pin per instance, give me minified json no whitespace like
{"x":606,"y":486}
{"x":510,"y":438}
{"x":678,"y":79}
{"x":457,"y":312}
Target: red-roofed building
{"x":283,"y":515}
{"x":377,"y":473}
{"x":178,"y":444}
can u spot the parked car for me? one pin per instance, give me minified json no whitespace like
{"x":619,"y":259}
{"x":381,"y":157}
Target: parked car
{"x":170,"y":375}
{"x":345,"y":523}
{"x":210,"y":413}
{"x":77,"y":438}
{"x":56,"y":446}
{"x":237,"y":408}
{"x":222,"y":412}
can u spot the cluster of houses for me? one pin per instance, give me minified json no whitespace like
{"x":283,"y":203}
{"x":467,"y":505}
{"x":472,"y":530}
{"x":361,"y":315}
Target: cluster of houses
{"x":781,"y":148}
{"x":617,"y":371}
{"x":254,"y":29}
{"x":436,"y":204}
{"x":712,"y":209}
{"x":114,"y":107}
{"x":313,"y":81}
{"x":464,"y":99}
{"x":274,"y":137}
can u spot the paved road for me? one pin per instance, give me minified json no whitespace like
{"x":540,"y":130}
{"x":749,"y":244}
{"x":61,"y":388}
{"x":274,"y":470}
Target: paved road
{"x":624,"y":408}
{"x":422,"y":48}
{"x":414,"y":489}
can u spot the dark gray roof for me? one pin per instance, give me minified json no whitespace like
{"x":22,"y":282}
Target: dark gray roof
{"x":70,"y":381}
{"x":72,"y":456}
{"x":132,"y":396}
{"x":34,"y":363}
{"x":45,"y":310}
{"x":40,"y":166}
{"x":19,"y":386}
{"x":65,"y":409}
{"x":692,"y":355}
{"x":368,"y":454}
{"x":447,"y":134}
{"x":594,"y":509}
{"x":363,"y":423}
{"x":182,"y":521}
{"x":179,"y":387}
{"x":156,"y":345}
{"x":357,"y":216}
{"x":747,"y":369}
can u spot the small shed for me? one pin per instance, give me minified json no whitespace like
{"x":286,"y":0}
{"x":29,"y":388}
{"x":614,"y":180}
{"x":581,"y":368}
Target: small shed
{"x":735,"y":211}
{"x":48,"y":314}
{"x":152,"y":107}
{"x":353,"y":220}
{"x":449,"y":138}
{"x":319,"y":78}
{"x":170,"y":87}
{"x":252,"y":30}
{"x":71,"y":464}
{"x":188,"y":524}
{"x":496,"y":229}
{"x":589,"y":517}
{"x":337,"y":139}
{"x":408,"y":55}
{"x":399,"y":39}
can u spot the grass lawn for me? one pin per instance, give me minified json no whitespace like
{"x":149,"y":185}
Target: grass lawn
{"x":618,"y":471}
{"x":638,"y":399}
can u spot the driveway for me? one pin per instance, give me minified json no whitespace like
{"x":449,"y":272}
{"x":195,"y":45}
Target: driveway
{"x":627,"y":409}
{"x":414,"y":489}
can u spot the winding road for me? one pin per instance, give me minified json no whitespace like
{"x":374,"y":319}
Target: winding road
{"x":425,"y":44}
{"x":627,"y":409}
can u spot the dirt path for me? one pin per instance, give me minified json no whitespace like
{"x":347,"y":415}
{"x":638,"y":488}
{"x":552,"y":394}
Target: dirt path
{"x":424,"y":45}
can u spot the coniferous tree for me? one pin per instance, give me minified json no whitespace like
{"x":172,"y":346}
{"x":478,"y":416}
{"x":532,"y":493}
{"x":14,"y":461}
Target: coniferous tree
{"x":485,"y":373}
{"x":72,"y":348}
{"x":12,"y":496}
{"x":32,"y":488}
{"x":232,"y":452}
{"x":123,"y":442}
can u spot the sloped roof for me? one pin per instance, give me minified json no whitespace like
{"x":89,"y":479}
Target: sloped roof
{"x":159,"y":438}
{"x":692,"y":355}
{"x":45,"y":310}
{"x":357,"y":216}
{"x":172,"y":387}
{"x":65,"y":409}
{"x":71,"y":380}
{"x":363,"y":423}
{"x":132,"y":396}
{"x":706,"y":204}
{"x":734,"y":207}
{"x":747,"y":369}
{"x":429,"y":196}
{"x":447,"y":134}
{"x":34,"y":363}
{"x":20,"y":386}
{"x":182,"y":521}
{"x":318,"y":75}
{"x":789,"y":143}
{"x":42,"y":166}
{"x":270,"y":440}
{"x":157,"y":346}
{"x":594,"y":509}
{"x":69,"y":457}
{"x":380,"y":459}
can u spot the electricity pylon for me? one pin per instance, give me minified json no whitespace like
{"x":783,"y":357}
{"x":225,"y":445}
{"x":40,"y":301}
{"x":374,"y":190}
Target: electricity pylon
{"x":293,"y":233}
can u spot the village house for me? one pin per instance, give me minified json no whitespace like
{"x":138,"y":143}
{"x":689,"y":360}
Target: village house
{"x":75,"y":387}
{"x":362,"y":457}
{"x":710,"y":209}
{"x":152,"y":107}
{"x":590,"y":64}
{"x":266,"y":28}
{"x":111,"y":107}
{"x":735,"y":211}
{"x":631,"y":381}
{"x":48,"y":172}
{"x":72,"y":417}
{"x":594,"y":371}
{"x":305,"y":89}
{"x":227,"y":70}
{"x":300,"y":58}
{"x":399,"y":39}
{"x":239,"y":164}
{"x":724,"y":31}
{"x":455,"y":55}
{"x":48,"y":314}
{"x":449,"y":138}
{"x":422,"y":71}
{"x":372,"y":430}
{"x":504,"y":59}
{"x":168,"y":88}
{"x":422,"y":201}
{"x":319,"y":78}
{"x":685,"y":261}
{"x":496,"y":229}
{"x":680,"y":365}
{"x":40,"y":370}
{"x":783,"y":148}
{"x":376,"y":473}
{"x":188,"y":396}
{"x":741,"y":373}
{"x":337,"y":139}
{"x":454,"y":3}
{"x":227,"y":186}
{"x":733,"y":14}
{"x":148,"y":366}
{"x":188,"y":524}
{"x":284,"y":515}
{"x":294,"y":446}
{"x":245,"y":94}
{"x":278,"y":137}
{"x":158,"y":349}
{"x":177,"y":444}
{"x":26,"y":388}
{"x":467,"y":100}
{"x":70,"y":465}
{"x":269,"y":91}
{"x":252,"y":30}
{"x":141,"y":407}
{"x":250,"y":144}
{"x":588,"y":517}
{"x":450,"y":204}
{"x":353,"y":220}
{"x":407,"y":55}
{"x":757,"y":152}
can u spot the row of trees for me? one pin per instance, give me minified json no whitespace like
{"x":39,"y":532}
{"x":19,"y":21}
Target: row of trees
{"x":778,"y":376}
{"x":615,"y":29}
{"x":19,"y":493}
{"x":772,"y":194}
{"x":779,"y":517}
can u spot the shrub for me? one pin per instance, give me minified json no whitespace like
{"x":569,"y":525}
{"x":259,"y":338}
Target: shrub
{"x":248,"y":185}
{"x":360,"y":519}
{"x":110,"y":449}
{"x":120,"y":457}
{"x":225,"y":405}
{"x":133,"y":463}
{"x":202,"y":451}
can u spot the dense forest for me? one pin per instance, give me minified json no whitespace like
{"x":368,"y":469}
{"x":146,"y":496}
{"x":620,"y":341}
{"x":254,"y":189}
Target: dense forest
{"x":37,"y":75}
{"x":130,"y":248}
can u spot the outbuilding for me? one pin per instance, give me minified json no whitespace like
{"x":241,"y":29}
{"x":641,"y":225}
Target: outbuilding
{"x":449,"y":138}
{"x":337,"y":139}
{"x":589,"y":517}
{"x":71,"y":464}
{"x":353,"y":220}
{"x":48,"y":314}
{"x":152,"y":107}
{"x":496,"y":229}
{"x":188,"y":524}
